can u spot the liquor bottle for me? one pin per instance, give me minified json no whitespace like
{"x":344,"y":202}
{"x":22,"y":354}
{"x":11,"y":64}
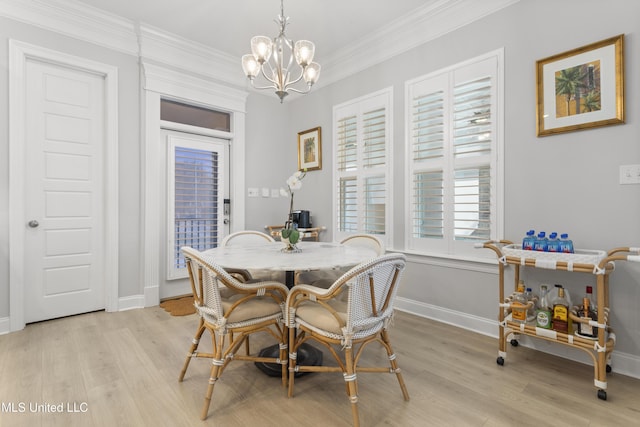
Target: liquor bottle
{"x":543,"y":312}
{"x":560,"y":320}
{"x":540,"y":244}
{"x":519,"y":304}
{"x":531,"y":302}
{"x":529,"y":239}
{"x":587,"y":313}
{"x":589,"y":294}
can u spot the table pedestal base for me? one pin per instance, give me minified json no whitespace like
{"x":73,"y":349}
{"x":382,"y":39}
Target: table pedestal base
{"x":307,"y":355}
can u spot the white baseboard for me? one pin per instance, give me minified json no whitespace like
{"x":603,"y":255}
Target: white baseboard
{"x":130,"y":303}
{"x":5,"y":325}
{"x":622,"y":363}
{"x":151,"y":296}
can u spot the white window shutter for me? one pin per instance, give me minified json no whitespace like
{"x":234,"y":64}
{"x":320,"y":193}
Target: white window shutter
{"x":452,"y":157}
{"x":363,"y":164}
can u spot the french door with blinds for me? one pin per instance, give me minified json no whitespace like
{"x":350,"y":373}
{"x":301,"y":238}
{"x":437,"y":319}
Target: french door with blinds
{"x":195,"y":196}
{"x":453,"y":150}
{"x":362,"y":196}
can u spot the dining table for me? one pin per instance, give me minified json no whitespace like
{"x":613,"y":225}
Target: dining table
{"x":273,"y":256}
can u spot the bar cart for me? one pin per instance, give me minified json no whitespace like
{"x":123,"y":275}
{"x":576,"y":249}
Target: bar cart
{"x":598,"y":263}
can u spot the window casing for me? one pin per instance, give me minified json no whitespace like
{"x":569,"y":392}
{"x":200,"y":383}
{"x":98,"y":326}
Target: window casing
{"x":363,"y":163}
{"x":454,"y":149}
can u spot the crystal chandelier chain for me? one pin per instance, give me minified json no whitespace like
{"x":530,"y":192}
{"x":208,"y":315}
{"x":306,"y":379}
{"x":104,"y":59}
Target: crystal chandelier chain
{"x":273,"y":60}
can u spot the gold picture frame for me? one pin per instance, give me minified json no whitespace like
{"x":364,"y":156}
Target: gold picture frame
{"x":310,"y":149}
{"x":582,"y":88}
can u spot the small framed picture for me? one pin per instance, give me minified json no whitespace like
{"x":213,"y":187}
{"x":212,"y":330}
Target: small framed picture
{"x":582,"y":88}
{"x":310,"y":149}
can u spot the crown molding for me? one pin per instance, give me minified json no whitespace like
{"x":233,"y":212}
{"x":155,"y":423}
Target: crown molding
{"x":179,"y":52}
{"x":87,"y":23}
{"x":77,"y":20}
{"x":422,"y":25}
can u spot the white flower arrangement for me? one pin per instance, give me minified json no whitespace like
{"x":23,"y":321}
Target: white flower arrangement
{"x":294,"y":182}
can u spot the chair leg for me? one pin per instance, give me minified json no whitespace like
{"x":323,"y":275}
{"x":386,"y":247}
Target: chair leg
{"x":292,"y":359}
{"x":394,"y":364}
{"x":284,"y":356}
{"x":352,"y":384}
{"x":216,"y":366}
{"x":192,"y":349}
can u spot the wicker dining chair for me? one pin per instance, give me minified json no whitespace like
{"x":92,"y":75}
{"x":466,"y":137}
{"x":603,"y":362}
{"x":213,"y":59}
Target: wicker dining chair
{"x":325,"y":278}
{"x":346,"y":328}
{"x":251,"y":237}
{"x":232,"y":311}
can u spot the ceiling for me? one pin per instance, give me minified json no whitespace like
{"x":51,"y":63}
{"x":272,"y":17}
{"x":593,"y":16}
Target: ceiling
{"x":228,"y":25}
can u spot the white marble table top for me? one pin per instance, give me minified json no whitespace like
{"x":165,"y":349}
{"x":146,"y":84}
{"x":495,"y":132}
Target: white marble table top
{"x":268,"y":256}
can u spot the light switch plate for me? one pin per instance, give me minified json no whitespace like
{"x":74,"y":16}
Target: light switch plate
{"x":630,"y":174}
{"x":253,"y":192}
{"x":266,"y":192}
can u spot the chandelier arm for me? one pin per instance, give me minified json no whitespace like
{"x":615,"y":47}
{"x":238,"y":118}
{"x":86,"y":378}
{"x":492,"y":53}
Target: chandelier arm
{"x":270,"y":80}
{"x":262,"y":87}
{"x":292,"y":89}
{"x":296,"y":80}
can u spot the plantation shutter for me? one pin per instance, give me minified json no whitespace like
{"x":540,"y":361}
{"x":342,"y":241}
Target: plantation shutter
{"x":427,"y":150}
{"x":362,"y":159}
{"x":452,"y":157}
{"x":472,"y":140}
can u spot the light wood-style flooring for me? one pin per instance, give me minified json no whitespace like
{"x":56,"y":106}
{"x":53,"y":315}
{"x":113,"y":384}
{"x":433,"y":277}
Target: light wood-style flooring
{"x":121,"y":369}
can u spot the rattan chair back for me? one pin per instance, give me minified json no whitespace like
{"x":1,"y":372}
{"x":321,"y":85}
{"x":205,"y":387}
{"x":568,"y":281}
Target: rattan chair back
{"x":347,"y":328}
{"x":231,"y":311}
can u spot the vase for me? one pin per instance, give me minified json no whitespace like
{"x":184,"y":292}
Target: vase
{"x":289,"y":247}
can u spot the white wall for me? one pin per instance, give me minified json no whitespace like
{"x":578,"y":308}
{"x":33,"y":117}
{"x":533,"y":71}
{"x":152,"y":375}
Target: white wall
{"x":566,"y":182}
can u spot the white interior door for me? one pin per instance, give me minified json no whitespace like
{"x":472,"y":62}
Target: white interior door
{"x":64,"y":191}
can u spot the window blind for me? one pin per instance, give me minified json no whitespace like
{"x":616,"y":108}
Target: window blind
{"x":195,"y":201}
{"x":374,"y":137}
{"x":347,"y":143}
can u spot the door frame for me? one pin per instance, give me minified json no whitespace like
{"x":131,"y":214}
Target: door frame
{"x":19,"y":54}
{"x":160,"y":82}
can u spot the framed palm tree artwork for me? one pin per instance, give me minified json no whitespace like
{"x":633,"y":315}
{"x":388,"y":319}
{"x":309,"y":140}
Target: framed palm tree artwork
{"x":582,"y":88}
{"x":310,"y":150}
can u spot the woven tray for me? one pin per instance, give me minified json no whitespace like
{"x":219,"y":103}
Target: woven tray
{"x":581,"y":256}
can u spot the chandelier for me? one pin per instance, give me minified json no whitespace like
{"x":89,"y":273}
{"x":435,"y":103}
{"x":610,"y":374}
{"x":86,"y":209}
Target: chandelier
{"x":273,"y":59}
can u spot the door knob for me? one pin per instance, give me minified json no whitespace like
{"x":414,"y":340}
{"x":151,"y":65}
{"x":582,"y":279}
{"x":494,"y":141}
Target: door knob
{"x":33,"y":223}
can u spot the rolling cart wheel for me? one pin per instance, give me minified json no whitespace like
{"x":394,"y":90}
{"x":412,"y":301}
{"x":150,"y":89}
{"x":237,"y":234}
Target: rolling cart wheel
{"x":609,"y":369}
{"x":514,"y":342}
{"x":602,"y":394}
{"x":500,"y":361}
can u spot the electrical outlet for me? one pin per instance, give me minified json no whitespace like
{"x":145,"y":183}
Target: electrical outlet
{"x":630,"y":174}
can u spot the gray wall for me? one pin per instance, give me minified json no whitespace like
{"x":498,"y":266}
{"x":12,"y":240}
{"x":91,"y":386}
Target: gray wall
{"x":566,"y":182}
